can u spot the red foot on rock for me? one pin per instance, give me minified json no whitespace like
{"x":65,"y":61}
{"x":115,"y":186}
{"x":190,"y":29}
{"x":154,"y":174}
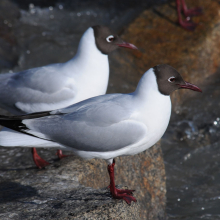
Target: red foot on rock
{"x":188,"y":25}
{"x":124,"y":194}
{"x":40,"y":163}
{"x":60,"y":154}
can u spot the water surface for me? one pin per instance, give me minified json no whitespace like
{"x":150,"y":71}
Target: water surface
{"x":191,"y":148}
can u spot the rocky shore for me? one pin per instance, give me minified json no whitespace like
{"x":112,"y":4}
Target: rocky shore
{"x":73,"y":188}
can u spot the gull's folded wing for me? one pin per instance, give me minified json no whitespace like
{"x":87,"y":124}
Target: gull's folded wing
{"x":99,"y":124}
{"x":35,"y":90}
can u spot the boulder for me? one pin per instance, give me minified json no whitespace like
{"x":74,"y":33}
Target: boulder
{"x":56,"y":193}
{"x":74,"y":188}
{"x":160,"y":39}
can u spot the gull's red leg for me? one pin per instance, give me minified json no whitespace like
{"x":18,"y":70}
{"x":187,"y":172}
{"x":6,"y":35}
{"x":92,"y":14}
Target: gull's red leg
{"x":40,"y":163}
{"x":124,"y":194}
{"x":190,"y":12}
{"x":60,"y":154}
{"x":187,"y":24}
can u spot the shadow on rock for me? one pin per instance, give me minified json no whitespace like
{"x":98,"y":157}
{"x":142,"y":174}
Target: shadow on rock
{"x":10,"y":191}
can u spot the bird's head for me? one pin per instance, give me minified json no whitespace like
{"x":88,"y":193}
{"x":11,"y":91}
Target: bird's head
{"x":107,"y":41}
{"x":169,"y":80}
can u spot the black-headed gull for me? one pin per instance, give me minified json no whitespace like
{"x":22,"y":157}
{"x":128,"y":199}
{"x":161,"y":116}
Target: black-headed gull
{"x":60,"y":85}
{"x":103,"y":127}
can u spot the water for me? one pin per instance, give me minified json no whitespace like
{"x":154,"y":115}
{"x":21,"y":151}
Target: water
{"x":191,"y":148}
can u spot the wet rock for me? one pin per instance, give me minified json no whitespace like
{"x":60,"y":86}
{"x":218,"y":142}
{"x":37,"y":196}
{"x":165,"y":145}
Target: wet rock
{"x":160,"y":39}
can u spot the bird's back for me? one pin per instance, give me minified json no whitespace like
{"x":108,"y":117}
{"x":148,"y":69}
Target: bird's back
{"x":45,"y":84}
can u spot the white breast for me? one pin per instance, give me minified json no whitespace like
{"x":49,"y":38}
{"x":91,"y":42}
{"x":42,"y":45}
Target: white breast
{"x":152,"y":109}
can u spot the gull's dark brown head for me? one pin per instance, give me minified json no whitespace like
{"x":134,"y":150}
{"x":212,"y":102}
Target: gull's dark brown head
{"x":107,"y":41}
{"x":169,"y":80}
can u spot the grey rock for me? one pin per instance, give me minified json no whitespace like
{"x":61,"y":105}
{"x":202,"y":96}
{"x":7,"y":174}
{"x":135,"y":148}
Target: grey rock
{"x":54,"y":193}
{"x":71,"y":183}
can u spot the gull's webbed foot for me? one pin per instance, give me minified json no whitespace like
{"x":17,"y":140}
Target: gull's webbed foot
{"x":39,"y":162}
{"x":60,"y":154}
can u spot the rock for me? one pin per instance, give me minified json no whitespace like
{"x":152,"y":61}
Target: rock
{"x":50,"y":192}
{"x":155,"y":32}
{"x":56,"y":193}
{"x":144,"y":172}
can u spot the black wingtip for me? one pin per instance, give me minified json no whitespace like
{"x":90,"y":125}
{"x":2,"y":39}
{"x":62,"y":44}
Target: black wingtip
{"x":15,"y":122}
{"x":26,"y":116}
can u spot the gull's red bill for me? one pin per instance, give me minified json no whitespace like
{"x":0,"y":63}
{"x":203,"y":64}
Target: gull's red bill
{"x":190,"y":86}
{"x":127,"y":45}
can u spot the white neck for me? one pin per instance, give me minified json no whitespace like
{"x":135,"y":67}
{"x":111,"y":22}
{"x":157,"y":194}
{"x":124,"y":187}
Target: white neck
{"x":88,"y":53}
{"x":154,"y":108}
{"x":147,"y":89}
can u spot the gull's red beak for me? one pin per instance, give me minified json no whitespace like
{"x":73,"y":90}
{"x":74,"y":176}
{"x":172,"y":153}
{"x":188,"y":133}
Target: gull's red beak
{"x":190,"y":86}
{"x":127,"y":45}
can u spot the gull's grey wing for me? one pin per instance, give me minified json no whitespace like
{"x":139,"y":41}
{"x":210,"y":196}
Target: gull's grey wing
{"x":104,"y":125}
{"x":36,"y":89}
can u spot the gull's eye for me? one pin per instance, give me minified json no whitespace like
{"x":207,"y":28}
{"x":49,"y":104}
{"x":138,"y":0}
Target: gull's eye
{"x":172,"y":79}
{"x":110,"y":38}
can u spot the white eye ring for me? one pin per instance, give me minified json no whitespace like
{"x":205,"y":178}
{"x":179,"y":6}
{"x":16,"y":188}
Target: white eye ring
{"x":172,"y":79}
{"x":110,"y":38}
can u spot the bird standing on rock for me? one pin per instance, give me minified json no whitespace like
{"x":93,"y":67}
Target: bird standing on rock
{"x":60,"y":85}
{"x":105,"y":126}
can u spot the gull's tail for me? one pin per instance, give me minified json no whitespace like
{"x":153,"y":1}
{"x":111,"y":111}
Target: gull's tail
{"x":10,"y":138}
{"x":13,"y":135}
{"x":16,"y":122}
